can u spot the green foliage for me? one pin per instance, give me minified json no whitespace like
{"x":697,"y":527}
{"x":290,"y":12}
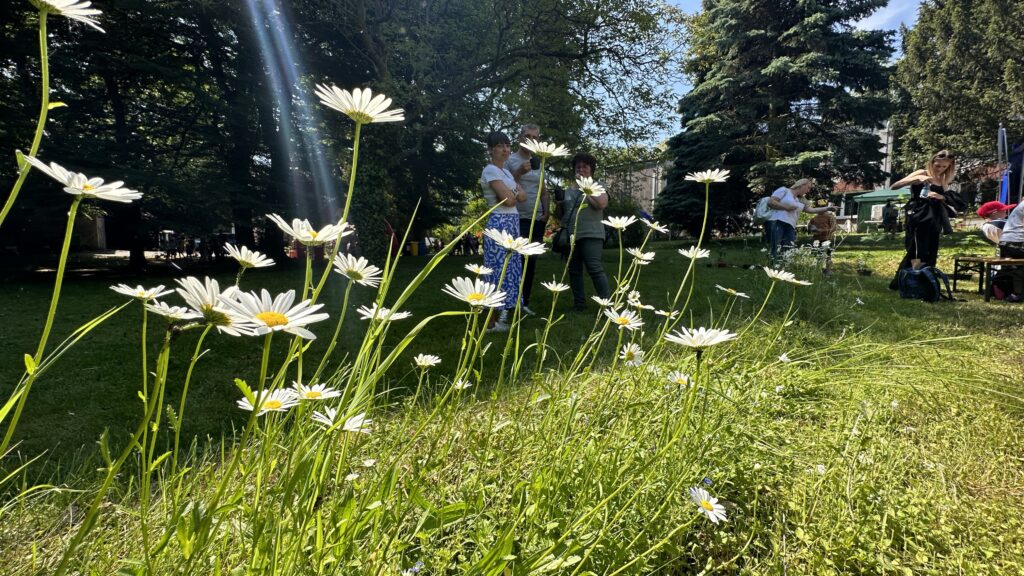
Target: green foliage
{"x":781,"y":91}
{"x":960,"y":77}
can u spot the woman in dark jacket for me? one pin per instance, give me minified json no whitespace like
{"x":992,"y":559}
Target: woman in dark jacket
{"x":928,"y":211}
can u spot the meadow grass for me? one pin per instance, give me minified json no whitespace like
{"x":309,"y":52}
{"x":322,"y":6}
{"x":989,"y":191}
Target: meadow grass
{"x":888,"y":442}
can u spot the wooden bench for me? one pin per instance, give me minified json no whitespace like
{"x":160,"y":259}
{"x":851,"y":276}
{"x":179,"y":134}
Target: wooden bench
{"x":983,"y":266}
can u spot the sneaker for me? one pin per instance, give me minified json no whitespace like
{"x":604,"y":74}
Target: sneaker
{"x":526,"y":310}
{"x":499,"y":326}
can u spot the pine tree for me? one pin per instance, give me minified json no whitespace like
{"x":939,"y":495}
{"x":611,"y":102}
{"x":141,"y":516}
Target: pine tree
{"x":782,"y":89}
{"x":962,"y":74}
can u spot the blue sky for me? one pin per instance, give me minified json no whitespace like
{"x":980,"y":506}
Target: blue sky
{"x":888,"y":18}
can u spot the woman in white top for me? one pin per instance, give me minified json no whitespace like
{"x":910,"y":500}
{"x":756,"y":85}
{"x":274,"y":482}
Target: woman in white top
{"x":499,"y":187}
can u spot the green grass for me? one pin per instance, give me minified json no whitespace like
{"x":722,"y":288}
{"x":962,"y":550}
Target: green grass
{"x":888,"y":445}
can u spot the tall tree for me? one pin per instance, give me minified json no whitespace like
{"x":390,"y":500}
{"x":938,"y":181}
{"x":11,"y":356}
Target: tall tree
{"x":961,"y":75}
{"x":781,"y":89}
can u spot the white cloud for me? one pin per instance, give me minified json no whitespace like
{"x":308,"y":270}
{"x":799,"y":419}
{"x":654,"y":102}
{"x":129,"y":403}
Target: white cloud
{"x":889,"y":18}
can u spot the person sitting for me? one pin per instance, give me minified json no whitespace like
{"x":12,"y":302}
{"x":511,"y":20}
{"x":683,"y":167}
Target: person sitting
{"x":994,"y":213}
{"x":1011,"y":245}
{"x":823,"y":225}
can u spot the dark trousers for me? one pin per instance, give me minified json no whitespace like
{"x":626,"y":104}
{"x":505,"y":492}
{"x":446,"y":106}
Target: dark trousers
{"x":587,"y":254}
{"x":781,"y":236}
{"x":922,"y":242}
{"x":536,"y":234}
{"x":1011,"y":278}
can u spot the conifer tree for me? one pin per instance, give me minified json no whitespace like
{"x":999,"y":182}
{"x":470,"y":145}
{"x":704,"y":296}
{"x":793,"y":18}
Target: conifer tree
{"x":782,"y":89}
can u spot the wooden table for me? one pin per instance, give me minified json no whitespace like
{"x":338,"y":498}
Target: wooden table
{"x":983,"y":265}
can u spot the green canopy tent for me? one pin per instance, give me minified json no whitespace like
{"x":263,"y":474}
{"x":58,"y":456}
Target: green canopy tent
{"x":869,"y":205}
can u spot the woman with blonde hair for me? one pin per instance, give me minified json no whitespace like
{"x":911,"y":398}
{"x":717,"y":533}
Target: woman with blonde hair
{"x":928,"y":210}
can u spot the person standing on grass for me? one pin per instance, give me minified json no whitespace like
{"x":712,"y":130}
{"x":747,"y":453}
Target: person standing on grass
{"x":786,"y":205}
{"x":890,"y":217}
{"x":928,"y":210}
{"x":583,"y":215}
{"x":525,"y":168}
{"x":500,"y":188}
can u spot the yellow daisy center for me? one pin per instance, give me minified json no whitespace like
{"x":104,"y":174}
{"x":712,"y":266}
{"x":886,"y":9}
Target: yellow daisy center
{"x":360,"y":116}
{"x":312,"y":394}
{"x":88,"y":187}
{"x":312,"y":234}
{"x":272,"y":405}
{"x":355,"y":275}
{"x":272,"y":319}
{"x":707,"y":505}
{"x":475,"y":297}
{"x":622,"y":321}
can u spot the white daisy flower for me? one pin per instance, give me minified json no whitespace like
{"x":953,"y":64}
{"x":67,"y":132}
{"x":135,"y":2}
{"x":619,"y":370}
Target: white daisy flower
{"x":603,"y":302}
{"x":461,"y":384}
{"x":642,"y":258}
{"x":325,"y":418}
{"x":779,"y":389}
{"x":544,"y":149}
{"x":513,"y":243}
{"x":358,"y":424}
{"x":351,"y":477}
{"x":859,"y":302}
{"x":479,"y":270}
{"x":619,"y":222}
{"x":784,"y":357}
{"x":654,"y":225}
{"x":589,"y":187}
{"x":475,"y":292}
{"x":694,"y":253}
{"x":381,"y":313}
{"x":248,"y":258}
{"x":277,"y":314}
{"x":632,"y":355}
{"x":78,"y":184}
{"x":700,"y":338}
{"x":74,"y":9}
{"x":276,"y":401}
{"x":360,"y":105}
{"x":731,"y":292}
{"x":555,"y":286}
{"x":784,"y":276}
{"x":707,"y":504}
{"x":140,"y":293}
{"x":670,"y":314}
{"x":205,"y":298}
{"x":172,"y":313}
{"x":708,"y":176}
{"x":304,"y":232}
{"x":680,"y":378}
{"x":368,"y":463}
{"x":426,"y":360}
{"x":627,"y":319}
{"x":358,"y":270}
{"x":314,"y":392}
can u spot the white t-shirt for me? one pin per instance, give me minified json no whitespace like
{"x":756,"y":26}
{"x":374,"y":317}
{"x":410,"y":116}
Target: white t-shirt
{"x":490,"y":174}
{"x":785,"y":197}
{"x":1013,"y":231}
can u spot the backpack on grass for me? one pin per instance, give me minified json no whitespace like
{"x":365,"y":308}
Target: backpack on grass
{"x":762,"y":212}
{"x":923,"y":284}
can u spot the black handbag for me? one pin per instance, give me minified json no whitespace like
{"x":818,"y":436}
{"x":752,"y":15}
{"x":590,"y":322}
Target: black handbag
{"x":561,"y":240}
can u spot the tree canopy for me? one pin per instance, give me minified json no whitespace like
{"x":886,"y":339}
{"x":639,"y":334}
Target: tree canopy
{"x":208,"y":107}
{"x":781,"y":90}
{"x":961,"y":75}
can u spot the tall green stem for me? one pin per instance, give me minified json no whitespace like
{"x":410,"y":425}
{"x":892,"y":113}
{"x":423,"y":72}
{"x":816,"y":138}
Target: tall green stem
{"x":184,"y":394}
{"x":344,"y":214}
{"x":44,"y":108}
{"x":49,"y":322}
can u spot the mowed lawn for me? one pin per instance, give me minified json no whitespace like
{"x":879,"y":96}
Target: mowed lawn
{"x":95,"y":385}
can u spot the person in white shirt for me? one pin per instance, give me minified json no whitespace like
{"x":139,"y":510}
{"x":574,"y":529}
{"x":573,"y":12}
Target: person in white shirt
{"x":786,"y":205}
{"x":500,"y":188}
